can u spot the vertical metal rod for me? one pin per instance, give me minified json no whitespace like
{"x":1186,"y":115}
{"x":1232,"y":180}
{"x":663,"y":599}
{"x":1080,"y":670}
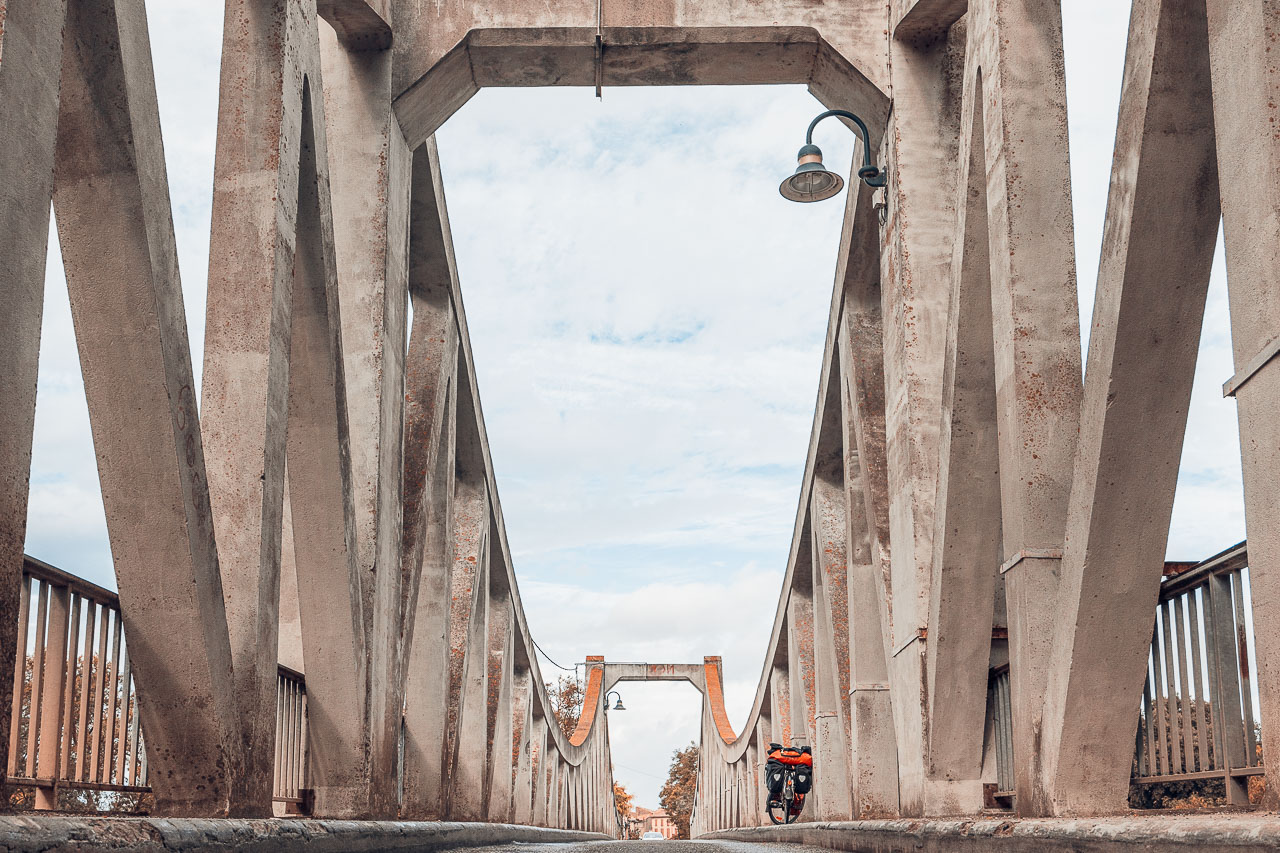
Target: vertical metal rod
{"x":122,"y":731}
{"x":95,"y":713}
{"x":278,"y":782}
{"x":37,"y":680}
{"x":69,"y":690}
{"x":1197,"y":678}
{"x":1228,"y":733}
{"x":51,"y":691}
{"x":86,"y":680}
{"x":1184,"y":697}
{"x":1171,"y":692}
{"x":1146,"y":763}
{"x":1246,"y":677}
{"x":599,"y":49}
{"x":112,"y":680}
{"x":19,"y":674}
{"x":136,"y":758}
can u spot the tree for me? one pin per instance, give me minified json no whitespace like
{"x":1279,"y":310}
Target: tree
{"x":566,"y":703}
{"x":624,"y":801}
{"x":677,"y":794}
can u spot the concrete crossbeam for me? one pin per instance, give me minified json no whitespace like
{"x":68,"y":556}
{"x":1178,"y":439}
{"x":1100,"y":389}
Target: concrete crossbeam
{"x":918,"y":20}
{"x":446,"y":52}
{"x":359,"y":24}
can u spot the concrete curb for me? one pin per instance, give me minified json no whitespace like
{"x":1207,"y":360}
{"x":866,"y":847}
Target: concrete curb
{"x":1205,"y":833}
{"x":26,"y":834}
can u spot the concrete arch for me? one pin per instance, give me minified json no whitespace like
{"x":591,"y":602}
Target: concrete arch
{"x":445,"y":53}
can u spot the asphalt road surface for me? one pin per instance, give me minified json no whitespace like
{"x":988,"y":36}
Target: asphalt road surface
{"x":654,"y":847}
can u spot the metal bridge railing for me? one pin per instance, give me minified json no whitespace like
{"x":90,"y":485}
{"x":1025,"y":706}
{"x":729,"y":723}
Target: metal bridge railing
{"x":1002,"y":730}
{"x":1198,"y":718}
{"x":291,"y":740}
{"x":76,"y":725}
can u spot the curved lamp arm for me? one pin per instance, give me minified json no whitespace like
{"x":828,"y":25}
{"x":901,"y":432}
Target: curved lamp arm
{"x":871,"y":174}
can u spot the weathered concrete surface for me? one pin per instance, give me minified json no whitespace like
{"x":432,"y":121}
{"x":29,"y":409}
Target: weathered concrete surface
{"x":323,"y":517}
{"x":126,"y":303}
{"x":1149,"y":305}
{"x":1202,"y":833}
{"x":431,"y":398}
{"x":919,"y":20}
{"x":967,"y":523}
{"x":269,"y":54}
{"x":915,"y":278}
{"x":370,"y":176}
{"x":157,"y":835}
{"x":30,"y":59}
{"x":1246,"y":112}
{"x":446,"y":52}
{"x":694,"y":673}
{"x":1017,"y":48}
{"x":874,"y":754}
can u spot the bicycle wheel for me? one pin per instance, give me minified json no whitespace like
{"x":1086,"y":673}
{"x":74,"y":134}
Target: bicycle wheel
{"x":793,"y":808}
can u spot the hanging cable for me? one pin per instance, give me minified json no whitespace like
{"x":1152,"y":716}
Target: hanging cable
{"x":549,"y":660}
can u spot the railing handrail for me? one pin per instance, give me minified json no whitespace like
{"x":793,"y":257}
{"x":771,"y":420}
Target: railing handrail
{"x":57,"y":577}
{"x":1229,"y":560}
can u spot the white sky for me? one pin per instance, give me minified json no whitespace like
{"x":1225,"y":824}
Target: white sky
{"x":648,"y":317}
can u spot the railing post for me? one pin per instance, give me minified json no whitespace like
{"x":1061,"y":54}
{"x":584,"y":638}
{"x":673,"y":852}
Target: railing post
{"x":1227,"y":717}
{"x":52,"y":684}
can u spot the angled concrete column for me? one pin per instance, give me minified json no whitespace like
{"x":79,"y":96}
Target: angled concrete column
{"x":270,"y":53}
{"x":329,"y":601}
{"x":831,"y":622}
{"x":468,"y":632}
{"x":915,"y":279}
{"x":30,"y":61}
{"x":1162,"y":222}
{"x":1017,"y":48}
{"x":501,"y":663}
{"x":539,"y":769}
{"x":966,"y":542}
{"x":1246,"y":110}
{"x":872,"y":742}
{"x":370,"y":164}
{"x":522,"y":744}
{"x":800,"y":638}
{"x":126,"y":302}
{"x":780,"y":702}
{"x":430,"y":450}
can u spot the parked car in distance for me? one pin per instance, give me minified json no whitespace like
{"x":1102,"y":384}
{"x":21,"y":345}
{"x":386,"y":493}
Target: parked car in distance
{"x":653,"y":836}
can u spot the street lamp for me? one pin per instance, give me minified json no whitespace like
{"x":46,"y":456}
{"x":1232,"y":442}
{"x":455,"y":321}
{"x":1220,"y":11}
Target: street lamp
{"x":617,"y":707}
{"x":812,"y":182}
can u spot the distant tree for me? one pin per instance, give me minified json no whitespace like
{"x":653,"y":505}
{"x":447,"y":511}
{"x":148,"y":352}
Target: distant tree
{"x":624,"y":801}
{"x":677,"y":794}
{"x":566,"y":702}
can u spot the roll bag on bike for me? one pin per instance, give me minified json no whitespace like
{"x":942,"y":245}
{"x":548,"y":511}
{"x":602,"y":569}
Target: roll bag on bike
{"x":798,"y":757}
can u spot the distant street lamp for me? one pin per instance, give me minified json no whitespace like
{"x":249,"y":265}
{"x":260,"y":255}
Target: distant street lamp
{"x":812,"y":182}
{"x":617,"y":707}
